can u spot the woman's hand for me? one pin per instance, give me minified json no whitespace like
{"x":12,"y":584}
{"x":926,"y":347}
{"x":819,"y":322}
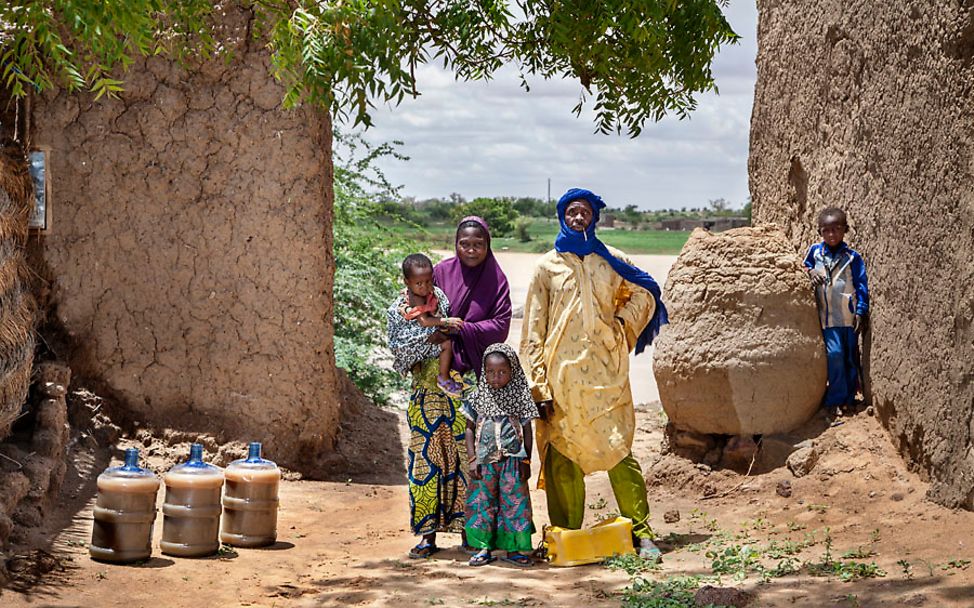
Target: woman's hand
{"x":524,"y":468}
{"x":452,"y":324}
{"x":474,"y":470}
{"x":545,"y":409}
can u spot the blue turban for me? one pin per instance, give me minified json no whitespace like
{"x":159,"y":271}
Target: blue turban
{"x":584,"y":243}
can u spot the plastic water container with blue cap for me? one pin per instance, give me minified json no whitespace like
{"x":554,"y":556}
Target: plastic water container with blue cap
{"x":124,"y":512}
{"x":191,"y":512}
{"x":250,"y":501}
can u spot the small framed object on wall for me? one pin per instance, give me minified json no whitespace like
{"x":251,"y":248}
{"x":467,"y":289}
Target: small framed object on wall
{"x":40,"y":219}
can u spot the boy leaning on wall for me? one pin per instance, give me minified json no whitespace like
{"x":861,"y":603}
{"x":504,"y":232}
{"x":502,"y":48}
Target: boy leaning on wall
{"x":838,"y":275}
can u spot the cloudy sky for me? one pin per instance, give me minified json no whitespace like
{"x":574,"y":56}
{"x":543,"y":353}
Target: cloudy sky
{"x":495,"y":139}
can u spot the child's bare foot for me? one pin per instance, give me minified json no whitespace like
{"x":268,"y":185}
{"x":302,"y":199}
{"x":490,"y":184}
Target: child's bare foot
{"x":450,"y":386}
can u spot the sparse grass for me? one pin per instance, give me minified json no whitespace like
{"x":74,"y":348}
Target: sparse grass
{"x":758,"y":524}
{"x":631,"y":564}
{"x":784,"y":567}
{"x":634,"y":242}
{"x":956,"y":564}
{"x":859,"y":552}
{"x":504,"y":602}
{"x":846,"y":571}
{"x":780,"y":549}
{"x":736,"y":560}
{"x":673,"y":592}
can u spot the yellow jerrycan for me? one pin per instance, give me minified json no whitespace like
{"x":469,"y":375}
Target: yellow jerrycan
{"x":591,"y":545}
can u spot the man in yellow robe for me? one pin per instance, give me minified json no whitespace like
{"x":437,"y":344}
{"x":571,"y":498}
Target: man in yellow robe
{"x":581,"y":320}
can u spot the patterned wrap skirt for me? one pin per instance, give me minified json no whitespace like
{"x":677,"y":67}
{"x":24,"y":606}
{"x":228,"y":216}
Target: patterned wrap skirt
{"x":499,"y":508}
{"x":437,"y":456}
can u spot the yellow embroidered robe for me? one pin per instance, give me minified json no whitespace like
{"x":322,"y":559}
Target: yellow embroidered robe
{"x":575,"y":351}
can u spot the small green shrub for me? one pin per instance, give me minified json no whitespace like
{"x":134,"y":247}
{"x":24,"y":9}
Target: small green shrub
{"x":368,"y":255}
{"x":674,"y":592}
{"x":631,"y":564}
{"x":521,"y":230}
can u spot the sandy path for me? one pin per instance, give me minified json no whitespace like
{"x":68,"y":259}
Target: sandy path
{"x":344,"y":544}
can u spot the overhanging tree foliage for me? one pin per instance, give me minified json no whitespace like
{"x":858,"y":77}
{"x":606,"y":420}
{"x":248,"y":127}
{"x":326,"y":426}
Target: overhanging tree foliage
{"x":636,"y":61}
{"x":79,"y":44}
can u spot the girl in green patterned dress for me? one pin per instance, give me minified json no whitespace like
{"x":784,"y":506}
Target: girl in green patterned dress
{"x":499,"y":419}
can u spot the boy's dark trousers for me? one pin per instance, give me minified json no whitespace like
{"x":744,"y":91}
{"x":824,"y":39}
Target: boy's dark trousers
{"x":842,"y":353}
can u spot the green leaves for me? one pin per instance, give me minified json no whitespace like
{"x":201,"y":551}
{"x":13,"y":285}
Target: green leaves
{"x":78,"y":44}
{"x":635,"y":61}
{"x":499,"y":213}
{"x":368,"y":255}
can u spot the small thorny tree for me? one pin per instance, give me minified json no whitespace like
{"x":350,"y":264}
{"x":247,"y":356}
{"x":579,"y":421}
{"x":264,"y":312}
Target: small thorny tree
{"x":635,"y":61}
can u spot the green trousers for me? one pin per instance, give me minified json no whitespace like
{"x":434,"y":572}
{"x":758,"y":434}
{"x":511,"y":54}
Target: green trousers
{"x":564,"y":485}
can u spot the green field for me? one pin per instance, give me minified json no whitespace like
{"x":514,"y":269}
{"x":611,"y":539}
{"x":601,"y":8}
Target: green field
{"x":661,"y":242}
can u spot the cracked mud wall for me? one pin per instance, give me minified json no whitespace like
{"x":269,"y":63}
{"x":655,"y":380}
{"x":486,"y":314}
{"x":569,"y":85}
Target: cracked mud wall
{"x":190,"y":254}
{"x":867,"y":106}
{"x":16,"y":304}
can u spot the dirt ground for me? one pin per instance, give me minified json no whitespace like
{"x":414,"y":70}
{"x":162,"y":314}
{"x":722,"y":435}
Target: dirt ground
{"x":344,"y":543}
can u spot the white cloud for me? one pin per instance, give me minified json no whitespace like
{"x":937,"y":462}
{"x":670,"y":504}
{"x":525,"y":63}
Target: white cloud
{"x":494,"y":138}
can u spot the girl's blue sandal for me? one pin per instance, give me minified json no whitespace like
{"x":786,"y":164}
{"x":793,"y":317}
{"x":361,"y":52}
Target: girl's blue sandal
{"x":482,"y":558}
{"x":518,"y":559}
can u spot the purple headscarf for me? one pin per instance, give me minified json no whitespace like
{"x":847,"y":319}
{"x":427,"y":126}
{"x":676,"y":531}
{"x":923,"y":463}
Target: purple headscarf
{"x":481,"y":297}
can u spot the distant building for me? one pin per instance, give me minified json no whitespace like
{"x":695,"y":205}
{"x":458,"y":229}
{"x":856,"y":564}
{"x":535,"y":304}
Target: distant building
{"x":714,"y":224}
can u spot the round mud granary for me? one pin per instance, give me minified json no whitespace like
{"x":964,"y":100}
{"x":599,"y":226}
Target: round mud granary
{"x":743,"y":352}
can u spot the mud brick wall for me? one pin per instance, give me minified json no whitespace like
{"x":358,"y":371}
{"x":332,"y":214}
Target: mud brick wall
{"x":16,"y":304}
{"x":190,"y":254}
{"x":867,"y":106}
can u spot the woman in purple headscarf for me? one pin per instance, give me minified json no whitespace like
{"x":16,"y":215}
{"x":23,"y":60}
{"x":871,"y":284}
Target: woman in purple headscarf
{"x":437,"y":458}
{"x":478,"y":293}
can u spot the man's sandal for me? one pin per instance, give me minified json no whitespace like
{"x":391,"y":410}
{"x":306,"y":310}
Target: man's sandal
{"x":482,"y":558}
{"x":518,"y":559}
{"x":423,"y":551}
{"x":649,"y":551}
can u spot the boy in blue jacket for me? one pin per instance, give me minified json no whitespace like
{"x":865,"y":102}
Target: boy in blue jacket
{"x":838,"y":275}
